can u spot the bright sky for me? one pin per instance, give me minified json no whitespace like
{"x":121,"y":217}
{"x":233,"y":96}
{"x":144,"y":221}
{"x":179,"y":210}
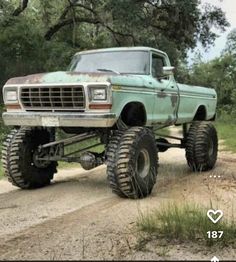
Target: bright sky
{"x":229,"y":7}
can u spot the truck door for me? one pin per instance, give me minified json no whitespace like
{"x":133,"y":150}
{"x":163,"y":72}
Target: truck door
{"x":166,"y":89}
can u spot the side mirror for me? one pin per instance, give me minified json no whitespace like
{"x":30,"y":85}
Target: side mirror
{"x":168,"y":70}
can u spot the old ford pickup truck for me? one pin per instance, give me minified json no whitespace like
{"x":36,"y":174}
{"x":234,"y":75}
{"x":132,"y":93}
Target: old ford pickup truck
{"x":119,"y":98}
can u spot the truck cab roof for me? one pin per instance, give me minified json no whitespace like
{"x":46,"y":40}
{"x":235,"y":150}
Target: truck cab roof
{"x":118,"y":49}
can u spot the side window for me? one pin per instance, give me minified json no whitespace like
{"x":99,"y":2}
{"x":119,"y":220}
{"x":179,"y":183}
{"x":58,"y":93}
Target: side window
{"x":157,"y":66}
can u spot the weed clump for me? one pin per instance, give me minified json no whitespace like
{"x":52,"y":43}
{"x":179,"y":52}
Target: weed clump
{"x":186,"y":223}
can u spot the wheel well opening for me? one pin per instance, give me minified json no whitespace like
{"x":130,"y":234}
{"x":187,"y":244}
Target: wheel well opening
{"x":200,"y":114}
{"x":134,"y":114}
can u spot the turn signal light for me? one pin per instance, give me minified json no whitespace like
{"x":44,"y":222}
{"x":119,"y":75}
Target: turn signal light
{"x":13,"y":107}
{"x":100,"y":106}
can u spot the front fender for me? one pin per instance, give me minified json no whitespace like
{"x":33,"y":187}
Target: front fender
{"x":121,"y":96}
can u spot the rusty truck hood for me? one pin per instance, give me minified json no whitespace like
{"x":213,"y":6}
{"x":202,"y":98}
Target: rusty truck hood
{"x":59,"y":77}
{"x":77,"y":77}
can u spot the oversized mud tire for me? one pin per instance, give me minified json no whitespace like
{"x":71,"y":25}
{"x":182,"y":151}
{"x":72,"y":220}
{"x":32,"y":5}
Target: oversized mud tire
{"x":201,"y":146}
{"x":132,"y":162}
{"x":18,"y":158}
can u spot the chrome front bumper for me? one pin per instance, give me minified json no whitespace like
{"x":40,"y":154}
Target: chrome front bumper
{"x":59,"y":119}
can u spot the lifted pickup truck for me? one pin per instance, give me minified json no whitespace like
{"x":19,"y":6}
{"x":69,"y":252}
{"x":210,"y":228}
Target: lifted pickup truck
{"x":119,"y":98}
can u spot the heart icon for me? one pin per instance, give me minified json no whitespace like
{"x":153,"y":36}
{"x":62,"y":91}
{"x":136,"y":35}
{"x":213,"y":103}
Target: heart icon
{"x":215,"y":215}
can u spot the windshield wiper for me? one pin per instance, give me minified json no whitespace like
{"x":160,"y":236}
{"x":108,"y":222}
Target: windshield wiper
{"x":108,"y":70}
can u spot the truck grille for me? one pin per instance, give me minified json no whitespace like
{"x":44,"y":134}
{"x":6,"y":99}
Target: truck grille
{"x":52,"y":98}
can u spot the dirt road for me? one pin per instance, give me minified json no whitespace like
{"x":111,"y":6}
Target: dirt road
{"x":78,"y":217}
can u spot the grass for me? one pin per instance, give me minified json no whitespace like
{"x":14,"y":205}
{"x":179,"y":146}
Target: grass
{"x":226,"y":132}
{"x":65,"y":165}
{"x":185,"y":223}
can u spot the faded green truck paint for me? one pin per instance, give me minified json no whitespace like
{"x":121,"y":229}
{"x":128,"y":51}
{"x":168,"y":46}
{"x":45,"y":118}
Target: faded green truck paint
{"x":165,"y":102}
{"x":178,"y":103}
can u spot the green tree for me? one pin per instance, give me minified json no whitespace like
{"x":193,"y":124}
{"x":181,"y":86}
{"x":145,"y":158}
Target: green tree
{"x":37,"y":35}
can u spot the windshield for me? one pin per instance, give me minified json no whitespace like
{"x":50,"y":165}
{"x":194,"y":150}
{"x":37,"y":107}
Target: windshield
{"x":123,"y":62}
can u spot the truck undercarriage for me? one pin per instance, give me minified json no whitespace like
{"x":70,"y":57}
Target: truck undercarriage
{"x":55,"y":150}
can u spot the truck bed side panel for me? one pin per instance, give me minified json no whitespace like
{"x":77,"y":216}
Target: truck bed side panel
{"x":191,"y":98}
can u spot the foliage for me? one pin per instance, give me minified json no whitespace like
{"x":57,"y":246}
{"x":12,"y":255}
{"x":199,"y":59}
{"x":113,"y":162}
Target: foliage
{"x":231,"y":43}
{"x":226,"y":132}
{"x":175,"y":222}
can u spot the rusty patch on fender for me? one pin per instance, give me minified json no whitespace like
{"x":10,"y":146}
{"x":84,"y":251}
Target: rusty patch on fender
{"x":174,"y":99}
{"x":30,"y":79}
